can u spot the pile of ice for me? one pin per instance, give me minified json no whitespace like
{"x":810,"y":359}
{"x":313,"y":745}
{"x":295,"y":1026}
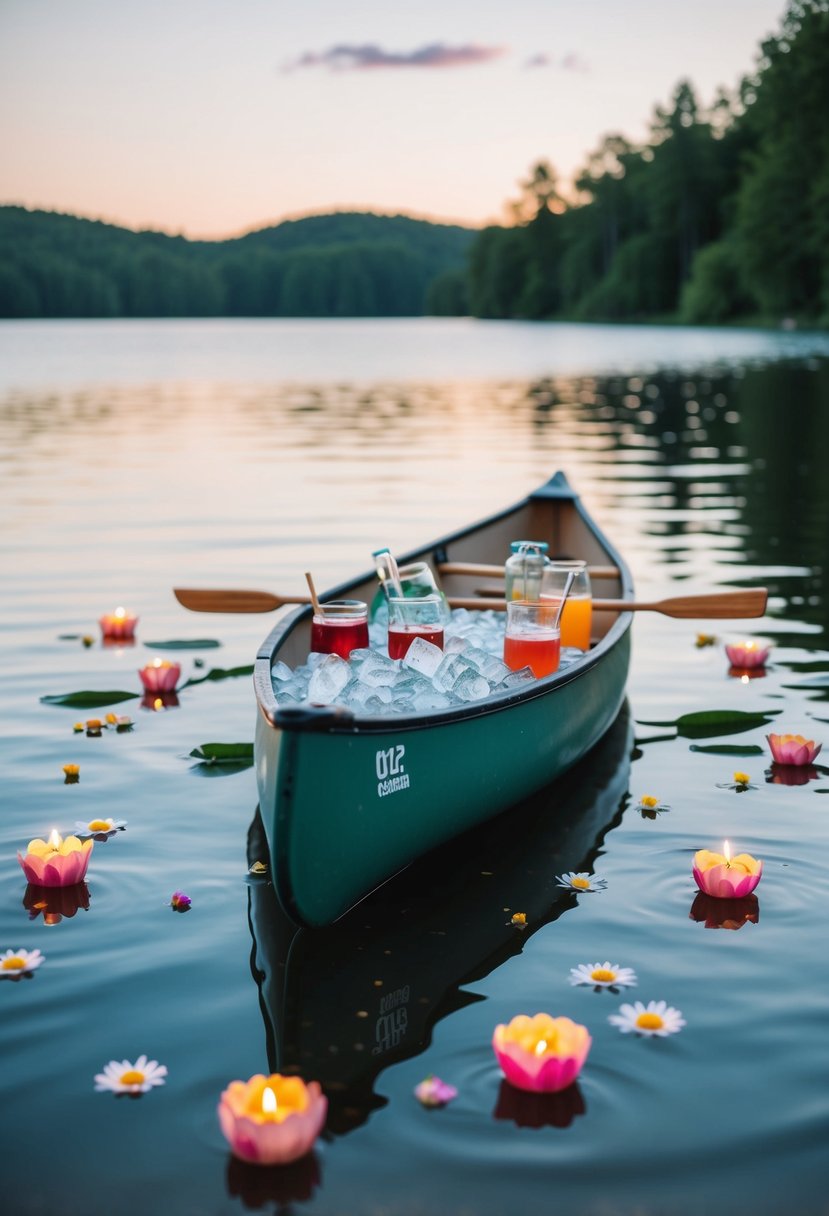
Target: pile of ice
{"x":469,"y":668}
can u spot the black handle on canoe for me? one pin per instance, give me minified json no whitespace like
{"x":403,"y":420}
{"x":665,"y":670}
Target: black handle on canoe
{"x":312,"y":717}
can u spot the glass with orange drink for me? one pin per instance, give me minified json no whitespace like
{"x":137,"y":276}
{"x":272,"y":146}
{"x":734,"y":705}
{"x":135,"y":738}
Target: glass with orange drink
{"x":577,"y":617}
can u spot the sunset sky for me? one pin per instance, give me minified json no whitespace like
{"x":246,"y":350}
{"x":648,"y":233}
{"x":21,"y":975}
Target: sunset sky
{"x":209,"y":117}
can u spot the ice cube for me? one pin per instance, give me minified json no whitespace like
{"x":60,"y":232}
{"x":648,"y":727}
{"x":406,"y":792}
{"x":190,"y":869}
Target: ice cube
{"x":314,"y":659}
{"x":523,"y":676}
{"x":330,"y":678}
{"x":423,"y":657}
{"x":471,"y":686}
{"x":360,"y":655}
{"x":378,"y":671}
{"x":280,"y":671}
{"x":450,"y":669}
{"x":455,"y":645}
{"x":430,"y":699}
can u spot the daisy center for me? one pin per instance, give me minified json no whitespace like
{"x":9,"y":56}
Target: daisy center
{"x":99,"y":825}
{"x":133,"y":1076}
{"x":649,"y":1021}
{"x":582,"y":883}
{"x":603,"y":976}
{"x":15,"y":963}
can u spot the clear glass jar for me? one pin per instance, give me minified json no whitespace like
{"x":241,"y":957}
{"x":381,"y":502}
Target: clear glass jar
{"x":340,"y":627}
{"x":523,"y":569}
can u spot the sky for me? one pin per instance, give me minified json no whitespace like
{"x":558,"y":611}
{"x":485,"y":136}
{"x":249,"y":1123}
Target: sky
{"x":212,"y":117}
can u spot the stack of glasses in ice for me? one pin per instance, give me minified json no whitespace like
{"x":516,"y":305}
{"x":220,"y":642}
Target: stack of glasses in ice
{"x":469,"y":668}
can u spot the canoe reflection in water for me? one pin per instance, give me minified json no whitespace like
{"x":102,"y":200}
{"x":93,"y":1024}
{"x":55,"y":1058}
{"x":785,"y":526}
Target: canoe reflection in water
{"x":342,"y":1003}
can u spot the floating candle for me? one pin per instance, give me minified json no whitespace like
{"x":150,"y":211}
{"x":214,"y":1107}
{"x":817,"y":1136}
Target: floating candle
{"x":724,"y":876}
{"x":56,"y":862}
{"x":119,"y":625}
{"x":747,"y":654}
{"x":541,"y":1054}
{"x":160,"y":676}
{"x":793,"y":749}
{"x":272,"y":1120}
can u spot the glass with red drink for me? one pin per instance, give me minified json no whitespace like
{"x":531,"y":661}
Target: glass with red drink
{"x":340,"y":627}
{"x":411,"y":618}
{"x":532,"y":637}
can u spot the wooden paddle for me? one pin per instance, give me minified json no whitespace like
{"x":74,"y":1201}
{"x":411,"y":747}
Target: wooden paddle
{"x":718,"y":605}
{"x":479,"y":570}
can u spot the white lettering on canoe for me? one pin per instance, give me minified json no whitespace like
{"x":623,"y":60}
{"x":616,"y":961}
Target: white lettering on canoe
{"x":391,"y":775}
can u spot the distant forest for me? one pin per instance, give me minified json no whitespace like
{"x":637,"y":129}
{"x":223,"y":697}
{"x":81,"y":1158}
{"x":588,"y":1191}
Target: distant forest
{"x":721,"y":215}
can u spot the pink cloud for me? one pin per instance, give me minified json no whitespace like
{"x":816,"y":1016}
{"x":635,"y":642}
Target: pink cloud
{"x":347,"y":58}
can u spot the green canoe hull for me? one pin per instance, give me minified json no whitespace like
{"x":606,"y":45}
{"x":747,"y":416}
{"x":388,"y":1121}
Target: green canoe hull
{"x":347,"y":802}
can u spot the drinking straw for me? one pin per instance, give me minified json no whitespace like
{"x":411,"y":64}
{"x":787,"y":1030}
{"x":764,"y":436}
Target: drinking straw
{"x":309,"y":580}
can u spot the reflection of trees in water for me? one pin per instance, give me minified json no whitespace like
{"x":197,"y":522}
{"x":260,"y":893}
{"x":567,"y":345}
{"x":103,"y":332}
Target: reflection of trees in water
{"x":737,"y":452}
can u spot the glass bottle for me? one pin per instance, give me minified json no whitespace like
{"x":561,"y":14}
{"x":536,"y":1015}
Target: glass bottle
{"x":523,"y":569}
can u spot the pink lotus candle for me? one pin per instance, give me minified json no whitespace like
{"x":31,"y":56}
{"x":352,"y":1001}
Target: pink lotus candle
{"x":272,"y":1120}
{"x":119,"y":625}
{"x":793,"y":749}
{"x":541,"y":1054}
{"x":160,"y":676}
{"x":56,"y":862}
{"x":724,"y":876}
{"x":747,"y":654}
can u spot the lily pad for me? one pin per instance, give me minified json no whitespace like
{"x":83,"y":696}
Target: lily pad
{"x":728,"y":749}
{"x":710,"y":723}
{"x":221,"y":673}
{"x":236,"y":755}
{"x":90,"y":698}
{"x":184,"y":644}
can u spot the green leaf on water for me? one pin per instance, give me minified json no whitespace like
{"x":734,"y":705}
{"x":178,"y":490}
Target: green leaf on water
{"x":709,"y":723}
{"x":239,"y":754}
{"x":221,"y":673}
{"x":728,"y":749}
{"x":90,"y":698}
{"x":184,"y":644}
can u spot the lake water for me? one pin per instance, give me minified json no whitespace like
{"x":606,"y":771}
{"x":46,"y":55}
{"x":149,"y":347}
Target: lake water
{"x":138,"y":456}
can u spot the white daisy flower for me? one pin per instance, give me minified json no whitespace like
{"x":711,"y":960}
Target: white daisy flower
{"x":126,"y":1078}
{"x":655,"y":1018}
{"x":603,"y":975}
{"x":98,"y":829}
{"x":15,"y":963}
{"x":581,"y":882}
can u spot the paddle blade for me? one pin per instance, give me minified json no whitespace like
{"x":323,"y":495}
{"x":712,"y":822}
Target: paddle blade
{"x":720,"y":605}
{"x":199,"y":599}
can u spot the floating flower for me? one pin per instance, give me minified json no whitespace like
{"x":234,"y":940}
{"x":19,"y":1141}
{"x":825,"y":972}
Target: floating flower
{"x":180,"y":902}
{"x":126,"y":1078}
{"x":434,"y":1092}
{"x":650,"y":807}
{"x":56,"y":862}
{"x":724,"y":876}
{"x":94,"y":727}
{"x":272,"y":1120}
{"x":656,"y":1018}
{"x":705,"y":639}
{"x":541,"y":1053}
{"x":747,"y":654}
{"x":519,"y":919}
{"x":120,"y":721}
{"x":16,"y":963}
{"x":741,"y":782}
{"x":160,"y":676}
{"x":87,"y":640}
{"x":118,"y":625}
{"x":78,"y":727}
{"x":72,"y":774}
{"x":98,"y":829}
{"x":793,"y":749}
{"x":603,"y":975}
{"x":581,"y":882}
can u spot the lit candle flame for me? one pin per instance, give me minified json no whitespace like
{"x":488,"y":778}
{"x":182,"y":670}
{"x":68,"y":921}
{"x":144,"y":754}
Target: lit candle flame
{"x":541,"y":1047}
{"x":157,"y":662}
{"x":120,"y":613}
{"x":54,"y":840}
{"x":727,"y":853}
{"x":268,"y":1101}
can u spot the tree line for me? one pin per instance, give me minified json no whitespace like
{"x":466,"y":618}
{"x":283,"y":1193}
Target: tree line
{"x":722,"y":214}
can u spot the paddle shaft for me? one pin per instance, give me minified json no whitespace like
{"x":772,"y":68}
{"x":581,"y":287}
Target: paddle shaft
{"x":719,"y":605}
{"x":478,"y":570}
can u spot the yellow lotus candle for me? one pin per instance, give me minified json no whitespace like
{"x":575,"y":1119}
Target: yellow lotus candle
{"x":272,"y":1120}
{"x":160,"y":676}
{"x":747,"y":654}
{"x":724,"y":876}
{"x":541,"y":1053}
{"x":56,"y":862}
{"x":118,"y":625}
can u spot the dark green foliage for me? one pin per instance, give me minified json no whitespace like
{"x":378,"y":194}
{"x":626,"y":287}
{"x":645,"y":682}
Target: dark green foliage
{"x":343,"y":265}
{"x":719,"y":215}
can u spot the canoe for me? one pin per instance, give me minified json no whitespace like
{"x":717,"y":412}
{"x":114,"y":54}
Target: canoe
{"x":412,"y":953}
{"x":347,"y":800}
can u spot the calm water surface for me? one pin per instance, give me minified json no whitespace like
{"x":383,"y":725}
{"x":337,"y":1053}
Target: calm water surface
{"x":140,"y":456}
